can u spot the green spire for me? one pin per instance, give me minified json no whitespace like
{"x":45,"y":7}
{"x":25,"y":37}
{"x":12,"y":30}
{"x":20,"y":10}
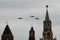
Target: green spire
{"x":47,"y":15}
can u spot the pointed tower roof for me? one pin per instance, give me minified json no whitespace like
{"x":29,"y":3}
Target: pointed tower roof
{"x":7,"y":30}
{"x":32,"y":29}
{"x":47,"y":15}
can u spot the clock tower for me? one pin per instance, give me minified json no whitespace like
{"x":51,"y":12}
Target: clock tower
{"x":47,"y":31}
{"x":47,"y":27}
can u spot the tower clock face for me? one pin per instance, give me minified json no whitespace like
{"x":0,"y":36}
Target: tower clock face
{"x":48,"y":33}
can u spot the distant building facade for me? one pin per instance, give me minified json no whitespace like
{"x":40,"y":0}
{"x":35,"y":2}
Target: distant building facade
{"x":7,"y":34}
{"x":47,"y":28}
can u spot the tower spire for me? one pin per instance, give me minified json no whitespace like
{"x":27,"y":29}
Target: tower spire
{"x":47,"y":28}
{"x":32,"y":34}
{"x":7,"y":30}
{"x":47,"y":15}
{"x":7,"y":34}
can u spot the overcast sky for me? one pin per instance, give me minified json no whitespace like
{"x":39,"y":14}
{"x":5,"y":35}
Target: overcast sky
{"x":10,"y":10}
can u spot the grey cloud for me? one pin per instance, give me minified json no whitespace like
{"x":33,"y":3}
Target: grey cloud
{"x":13,"y":9}
{"x":20,"y":4}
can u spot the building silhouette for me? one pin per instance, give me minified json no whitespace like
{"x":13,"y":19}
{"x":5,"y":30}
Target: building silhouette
{"x":32,"y":34}
{"x":47,"y":28}
{"x":7,"y":34}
